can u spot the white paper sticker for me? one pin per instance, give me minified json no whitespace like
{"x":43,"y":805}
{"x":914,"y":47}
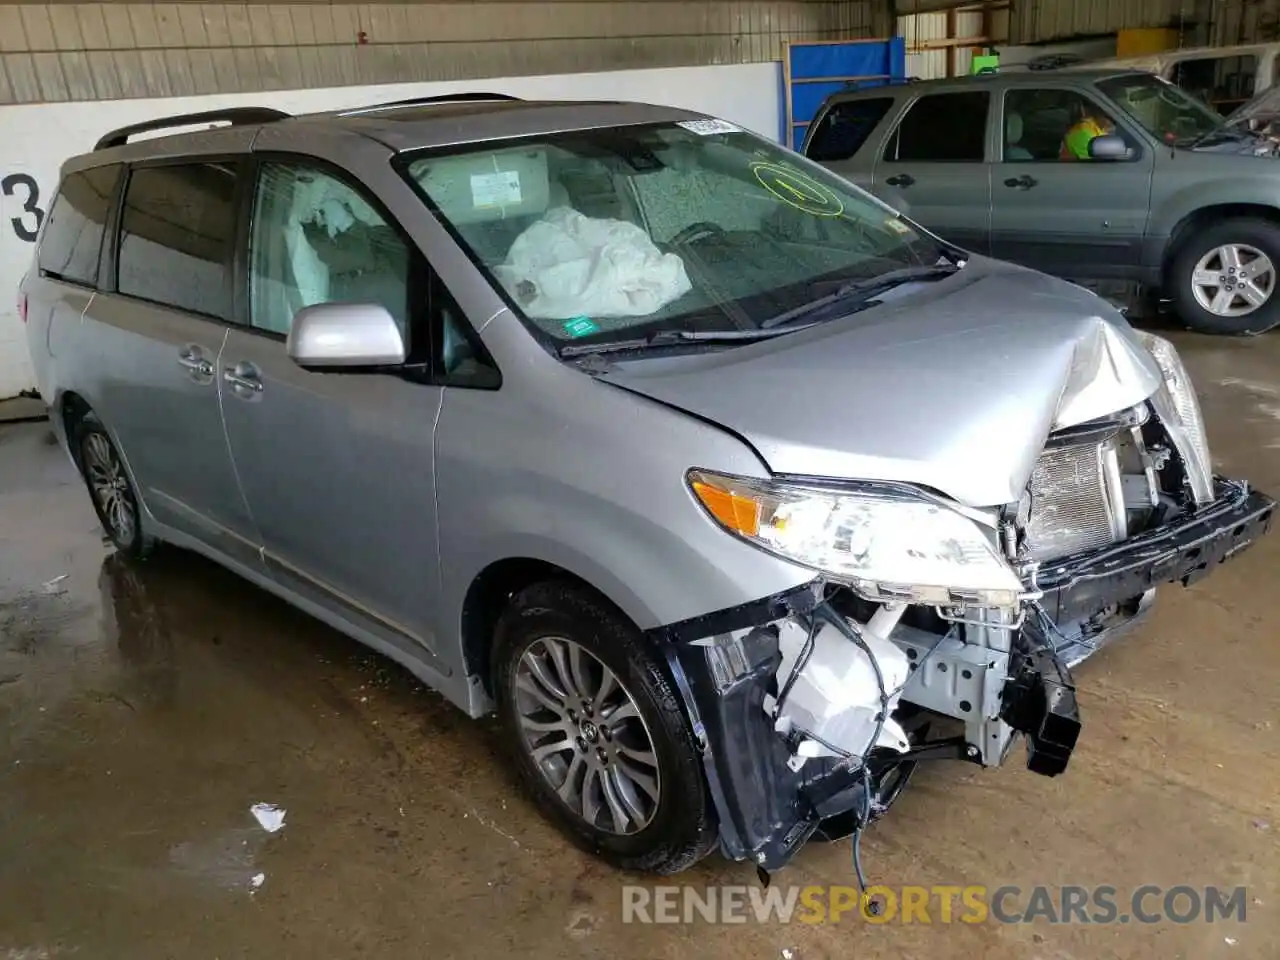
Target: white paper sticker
{"x":705,"y":128}
{"x":498,"y":189}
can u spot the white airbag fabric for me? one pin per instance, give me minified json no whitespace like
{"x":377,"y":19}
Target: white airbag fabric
{"x":568,"y":265}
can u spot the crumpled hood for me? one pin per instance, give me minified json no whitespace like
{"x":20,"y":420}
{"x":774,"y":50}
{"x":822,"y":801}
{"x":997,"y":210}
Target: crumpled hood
{"x":955,"y":386}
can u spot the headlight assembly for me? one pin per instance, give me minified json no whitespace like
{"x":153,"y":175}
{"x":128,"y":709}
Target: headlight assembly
{"x":1180,"y":412}
{"x":887,"y":546}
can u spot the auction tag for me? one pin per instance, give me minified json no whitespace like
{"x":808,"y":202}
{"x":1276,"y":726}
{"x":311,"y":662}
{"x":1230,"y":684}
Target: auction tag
{"x":500,"y":189}
{"x":708,"y":127}
{"x":897,"y":226}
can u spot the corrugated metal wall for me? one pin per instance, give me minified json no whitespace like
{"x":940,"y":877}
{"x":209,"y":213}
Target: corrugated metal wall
{"x":923,"y":29}
{"x":1037,"y":20}
{"x":100,"y":51}
{"x":1246,"y":21}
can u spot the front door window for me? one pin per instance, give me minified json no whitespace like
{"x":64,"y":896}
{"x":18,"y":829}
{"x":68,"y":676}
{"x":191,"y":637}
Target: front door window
{"x":318,"y":240}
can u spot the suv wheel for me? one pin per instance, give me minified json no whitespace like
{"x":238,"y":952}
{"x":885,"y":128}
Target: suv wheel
{"x":1224,"y":279}
{"x":599,"y":735}
{"x":114,"y":499}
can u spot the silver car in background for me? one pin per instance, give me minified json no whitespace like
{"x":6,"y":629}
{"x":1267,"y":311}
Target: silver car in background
{"x":734,"y":493}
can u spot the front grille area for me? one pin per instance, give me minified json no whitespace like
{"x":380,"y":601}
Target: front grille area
{"x":1070,"y":510}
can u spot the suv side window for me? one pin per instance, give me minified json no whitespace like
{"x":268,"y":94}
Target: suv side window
{"x":177,"y":236}
{"x":845,"y":127}
{"x":315,"y":239}
{"x":943,"y":127}
{"x":72,"y":240}
{"x":1037,"y":121}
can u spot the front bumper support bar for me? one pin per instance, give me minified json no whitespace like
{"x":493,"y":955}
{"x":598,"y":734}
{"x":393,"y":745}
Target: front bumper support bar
{"x":1184,"y":551}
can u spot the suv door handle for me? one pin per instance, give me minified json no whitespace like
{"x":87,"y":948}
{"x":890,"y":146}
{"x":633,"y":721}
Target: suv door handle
{"x":243,"y":379}
{"x":193,"y":360}
{"x":1026,"y":182}
{"x":900,"y":180}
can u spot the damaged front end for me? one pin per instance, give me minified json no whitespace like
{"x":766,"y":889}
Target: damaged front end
{"x":938,"y":631}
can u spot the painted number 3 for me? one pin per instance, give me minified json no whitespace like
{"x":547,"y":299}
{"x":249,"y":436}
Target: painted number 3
{"x":23,"y":187}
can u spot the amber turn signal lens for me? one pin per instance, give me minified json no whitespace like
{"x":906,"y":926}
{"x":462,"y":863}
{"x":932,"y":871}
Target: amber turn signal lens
{"x":738,"y":513}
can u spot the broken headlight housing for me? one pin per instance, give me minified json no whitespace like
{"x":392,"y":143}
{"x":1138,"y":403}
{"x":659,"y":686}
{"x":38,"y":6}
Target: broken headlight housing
{"x":886,"y":545}
{"x":1179,"y":411}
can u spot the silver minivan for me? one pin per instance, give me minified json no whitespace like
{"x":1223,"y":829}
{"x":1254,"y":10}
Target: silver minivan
{"x":736,"y":495}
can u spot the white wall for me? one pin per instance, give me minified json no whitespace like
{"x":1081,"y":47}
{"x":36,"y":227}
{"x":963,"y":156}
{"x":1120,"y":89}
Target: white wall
{"x":35,"y":140}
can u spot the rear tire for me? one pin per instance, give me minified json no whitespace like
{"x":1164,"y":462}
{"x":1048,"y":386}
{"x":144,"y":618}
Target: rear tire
{"x":552,"y":648}
{"x":110,"y":488}
{"x":1207,"y":288}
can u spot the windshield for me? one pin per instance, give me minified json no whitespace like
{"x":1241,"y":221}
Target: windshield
{"x":1165,"y":111}
{"x":610,"y":234}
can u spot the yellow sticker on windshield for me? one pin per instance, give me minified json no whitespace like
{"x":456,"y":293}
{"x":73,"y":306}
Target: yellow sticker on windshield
{"x":797,"y":189}
{"x":897,"y":226}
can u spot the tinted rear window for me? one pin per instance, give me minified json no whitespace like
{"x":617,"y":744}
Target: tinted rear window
{"x":177,"y":233}
{"x":845,"y":127}
{"x":72,"y":238}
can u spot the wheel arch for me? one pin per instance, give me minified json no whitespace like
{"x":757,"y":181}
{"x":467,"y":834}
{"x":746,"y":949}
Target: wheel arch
{"x":71,"y":408}
{"x":1186,"y":228}
{"x":490,"y":591}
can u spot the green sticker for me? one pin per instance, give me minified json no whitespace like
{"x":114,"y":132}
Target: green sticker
{"x":580,"y":327}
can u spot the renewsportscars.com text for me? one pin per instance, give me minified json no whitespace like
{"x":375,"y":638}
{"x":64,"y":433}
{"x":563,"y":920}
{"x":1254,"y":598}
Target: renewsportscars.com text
{"x":942,"y":904}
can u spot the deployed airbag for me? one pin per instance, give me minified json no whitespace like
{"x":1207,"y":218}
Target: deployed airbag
{"x":567,"y":265}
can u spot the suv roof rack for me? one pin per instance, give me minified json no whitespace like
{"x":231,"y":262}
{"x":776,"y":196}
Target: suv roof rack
{"x":469,"y":96}
{"x":869,"y":83}
{"x":236,"y":116}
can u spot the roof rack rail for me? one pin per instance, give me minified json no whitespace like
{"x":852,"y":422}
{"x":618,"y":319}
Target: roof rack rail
{"x":867,"y":83}
{"x":468,"y":96}
{"x":236,"y":116}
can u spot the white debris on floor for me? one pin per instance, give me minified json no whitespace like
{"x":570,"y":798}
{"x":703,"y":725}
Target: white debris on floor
{"x":269,"y":816}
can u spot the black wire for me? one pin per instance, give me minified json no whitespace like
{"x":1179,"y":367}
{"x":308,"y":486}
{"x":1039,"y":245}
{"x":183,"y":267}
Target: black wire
{"x":801,"y":660}
{"x":857,"y":831}
{"x":856,"y":636}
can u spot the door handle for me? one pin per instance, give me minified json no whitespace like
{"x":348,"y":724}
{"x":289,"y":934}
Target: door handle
{"x":1026,"y":182}
{"x":240,"y":379}
{"x":190,"y":358}
{"x":900,"y":180}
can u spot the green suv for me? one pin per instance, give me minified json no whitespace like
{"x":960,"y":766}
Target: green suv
{"x":1172,"y":196}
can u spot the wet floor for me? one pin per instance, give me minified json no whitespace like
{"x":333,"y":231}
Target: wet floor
{"x":145,"y":710}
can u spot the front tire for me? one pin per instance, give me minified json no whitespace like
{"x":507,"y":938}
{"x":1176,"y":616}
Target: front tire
{"x":1226,"y":278}
{"x":110,"y":489}
{"x":597,"y":731}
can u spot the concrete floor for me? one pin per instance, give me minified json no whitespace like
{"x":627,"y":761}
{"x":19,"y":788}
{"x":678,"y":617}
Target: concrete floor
{"x":144,"y":710}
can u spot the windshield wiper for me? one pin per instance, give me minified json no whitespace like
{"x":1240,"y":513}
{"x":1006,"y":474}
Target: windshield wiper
{"x":865,"y":289}
{"x":667,"y":338}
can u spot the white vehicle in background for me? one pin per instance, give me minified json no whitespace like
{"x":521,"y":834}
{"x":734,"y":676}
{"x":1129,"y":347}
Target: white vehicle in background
{"x":1224,"y":77}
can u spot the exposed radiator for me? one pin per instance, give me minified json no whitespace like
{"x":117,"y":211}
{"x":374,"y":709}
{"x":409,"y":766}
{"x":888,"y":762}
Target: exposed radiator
{"x":1076,"y":504}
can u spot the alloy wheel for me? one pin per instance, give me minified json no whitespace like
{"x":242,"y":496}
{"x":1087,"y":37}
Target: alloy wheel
{"x":110,"y":487}
{"x":1233,"y":280}
{"x":584,"y":732}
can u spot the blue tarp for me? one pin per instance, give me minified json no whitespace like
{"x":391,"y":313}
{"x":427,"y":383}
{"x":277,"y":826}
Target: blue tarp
{"x":810,"y":64}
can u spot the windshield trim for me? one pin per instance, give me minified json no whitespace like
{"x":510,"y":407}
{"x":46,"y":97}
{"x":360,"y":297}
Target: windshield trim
{"x":404,"y":159}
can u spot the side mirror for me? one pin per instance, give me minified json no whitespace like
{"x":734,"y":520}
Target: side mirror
{"x":329,"y":336}
{"x":1109,"y":147}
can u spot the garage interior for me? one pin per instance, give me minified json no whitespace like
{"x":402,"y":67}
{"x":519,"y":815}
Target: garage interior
{"x":146,"y":708}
